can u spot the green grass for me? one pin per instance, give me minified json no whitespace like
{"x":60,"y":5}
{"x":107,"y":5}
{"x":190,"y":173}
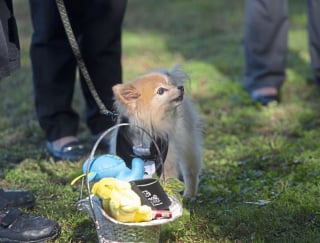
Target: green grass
{"x":251,"y":152}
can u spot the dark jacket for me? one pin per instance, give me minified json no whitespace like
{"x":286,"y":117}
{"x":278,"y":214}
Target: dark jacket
{"x":9,"y":40}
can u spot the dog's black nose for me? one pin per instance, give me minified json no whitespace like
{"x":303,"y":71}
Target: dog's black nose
{"x":181,"y":88}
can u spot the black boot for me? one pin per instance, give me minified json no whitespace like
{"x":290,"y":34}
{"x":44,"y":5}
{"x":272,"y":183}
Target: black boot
{"x":17,"y":198}
{"x":16,"y":226}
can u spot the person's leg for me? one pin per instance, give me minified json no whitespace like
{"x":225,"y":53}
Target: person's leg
{"x":53,"y":66}
{"x":54,"y":69}
{"x":101,"y":50}
{"x":313,"y":8}
{"x":265,"y":45}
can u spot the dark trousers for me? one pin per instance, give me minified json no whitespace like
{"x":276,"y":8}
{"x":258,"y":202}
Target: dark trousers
{"x":9,"y":40}
{"x":97,"y":25}
{"x":265,"y":36}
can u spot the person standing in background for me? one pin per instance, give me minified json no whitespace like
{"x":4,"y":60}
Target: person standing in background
{"x":97,"y":25}
{"x":266,"y":28}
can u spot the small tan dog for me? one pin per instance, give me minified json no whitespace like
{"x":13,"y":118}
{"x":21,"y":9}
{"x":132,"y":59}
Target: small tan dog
{"x":156,"y":102}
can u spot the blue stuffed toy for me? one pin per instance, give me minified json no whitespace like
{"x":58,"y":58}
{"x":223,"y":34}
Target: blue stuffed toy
{"x":109,"y":165}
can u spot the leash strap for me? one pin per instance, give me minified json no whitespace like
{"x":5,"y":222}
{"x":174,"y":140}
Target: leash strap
{"x":76,"y":51}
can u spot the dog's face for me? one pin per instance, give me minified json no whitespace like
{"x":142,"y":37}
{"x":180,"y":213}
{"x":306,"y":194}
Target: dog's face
{"x":151,"y":96}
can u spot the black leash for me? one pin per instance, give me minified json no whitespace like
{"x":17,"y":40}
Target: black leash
{"x":76,"y":51}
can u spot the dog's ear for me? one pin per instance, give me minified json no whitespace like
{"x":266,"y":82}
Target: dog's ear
{"x":126,"y":93}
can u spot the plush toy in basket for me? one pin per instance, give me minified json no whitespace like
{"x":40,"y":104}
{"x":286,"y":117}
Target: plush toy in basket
{"x":108,"y":165}
{"x":129,"y":212}
{"x":137,"y":201}
{"x":111,"y":230}
{"x":120,"y":201}
{"x":125,"y":206}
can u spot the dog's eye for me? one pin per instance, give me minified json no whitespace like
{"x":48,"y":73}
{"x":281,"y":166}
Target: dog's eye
{"x":161,"y":90}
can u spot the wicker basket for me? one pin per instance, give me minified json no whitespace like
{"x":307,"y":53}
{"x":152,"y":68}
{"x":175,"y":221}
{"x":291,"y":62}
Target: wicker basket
{"x":109,"y":229}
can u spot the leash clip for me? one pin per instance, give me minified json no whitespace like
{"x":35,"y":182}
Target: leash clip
{"x":113,"y":115}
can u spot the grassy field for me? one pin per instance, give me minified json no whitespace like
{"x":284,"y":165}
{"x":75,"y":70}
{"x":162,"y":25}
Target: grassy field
{"x":260,"y":181}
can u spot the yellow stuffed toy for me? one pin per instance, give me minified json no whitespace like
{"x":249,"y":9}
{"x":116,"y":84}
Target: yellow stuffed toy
{"x":120,"y":201}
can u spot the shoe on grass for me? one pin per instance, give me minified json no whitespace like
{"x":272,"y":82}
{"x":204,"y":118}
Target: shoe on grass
{"x":17,"y":198}
{"x":265,"y":95}
{"x":16,"y":226}
{"x":71,"y":151}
